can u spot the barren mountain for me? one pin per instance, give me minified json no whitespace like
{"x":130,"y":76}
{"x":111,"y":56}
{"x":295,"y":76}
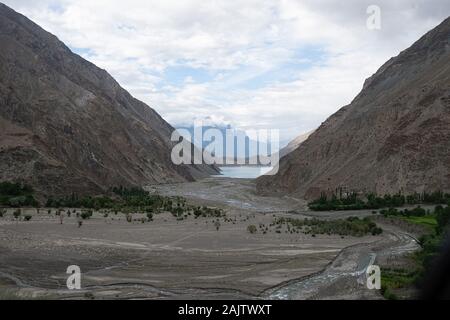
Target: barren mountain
{"x":68,"y":126}
{"x":294,"y":144}
{"x":394,"y":136}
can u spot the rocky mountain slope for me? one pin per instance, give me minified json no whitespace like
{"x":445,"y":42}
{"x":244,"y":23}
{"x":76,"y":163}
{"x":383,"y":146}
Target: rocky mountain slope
{"x":394,"y":136}
{"x":295,"y":143}
{"x":68,"y":126}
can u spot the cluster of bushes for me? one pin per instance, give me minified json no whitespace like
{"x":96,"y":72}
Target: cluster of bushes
{"x":430,"y":248}
{"x":416,"y":212}
{"x":442,"y":218}
{"x":129,"y":192}
{"x":206,"y":212}
{"x":352,"y":226}
{"x":123,"y":200}
{"x":440,"y":215}
{"x":372,"y":201}
{"x":86,"y":214}
{"x":394,"y":278}
{"x":136,"y":200}
{"x":74,"y":201}
{"x":437,"y":197}
{"x":17,"y":214}
{"x":17,"y":195}
{"x":183,"y":212}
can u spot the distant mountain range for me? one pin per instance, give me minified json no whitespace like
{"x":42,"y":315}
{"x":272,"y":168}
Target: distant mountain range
{"x":68,"y":126}
{"x":249,"y":148}
{"x":394,"y":136}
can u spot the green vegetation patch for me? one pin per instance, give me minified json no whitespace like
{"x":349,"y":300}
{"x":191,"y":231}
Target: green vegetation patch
{"x":16,"y":195}
{"x":396,"y":278}
{"x":352,"y":226}
{"x":119,"y":199}
{"x":418,"y":215}
{"x":352,"y":201}
{"x":132,"y":200}
{"x":428,"y":221}
{"x":439,"y":222}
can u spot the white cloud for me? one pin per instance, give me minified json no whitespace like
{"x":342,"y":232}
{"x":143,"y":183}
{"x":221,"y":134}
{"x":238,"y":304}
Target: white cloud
{"x":256,"y":58}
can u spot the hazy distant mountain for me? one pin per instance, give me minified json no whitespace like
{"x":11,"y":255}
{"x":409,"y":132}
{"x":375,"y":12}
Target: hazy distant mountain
{"x":395,"y":135}
{"x":68,"y":126}
{"x":249,"y":149}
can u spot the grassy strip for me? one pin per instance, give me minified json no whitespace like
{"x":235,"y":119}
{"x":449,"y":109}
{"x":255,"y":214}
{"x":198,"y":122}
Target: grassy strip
{"x":397,"y":278}
{"x":427,"y":221}
{"x":438,"y":223}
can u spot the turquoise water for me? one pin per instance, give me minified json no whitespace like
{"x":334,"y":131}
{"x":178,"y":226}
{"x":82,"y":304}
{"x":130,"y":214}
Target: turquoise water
{"x":243,"y":172}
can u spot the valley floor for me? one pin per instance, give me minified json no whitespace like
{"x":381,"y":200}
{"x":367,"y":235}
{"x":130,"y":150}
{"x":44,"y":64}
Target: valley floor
{"x":191,"y":259}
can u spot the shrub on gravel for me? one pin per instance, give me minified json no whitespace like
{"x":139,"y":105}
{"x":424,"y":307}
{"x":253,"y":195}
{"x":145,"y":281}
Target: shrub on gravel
{"x":129,"y":217}
{"x":17,"y":213}
{"x":252,"y":229}
{"x":86,"y":214}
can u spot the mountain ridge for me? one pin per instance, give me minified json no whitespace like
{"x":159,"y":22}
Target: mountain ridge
{"x":392,"y":137}
{"x":69,"y":125}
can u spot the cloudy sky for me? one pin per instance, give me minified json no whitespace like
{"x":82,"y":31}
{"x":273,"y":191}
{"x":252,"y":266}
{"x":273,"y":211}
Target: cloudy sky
{"x":285,"y":64}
